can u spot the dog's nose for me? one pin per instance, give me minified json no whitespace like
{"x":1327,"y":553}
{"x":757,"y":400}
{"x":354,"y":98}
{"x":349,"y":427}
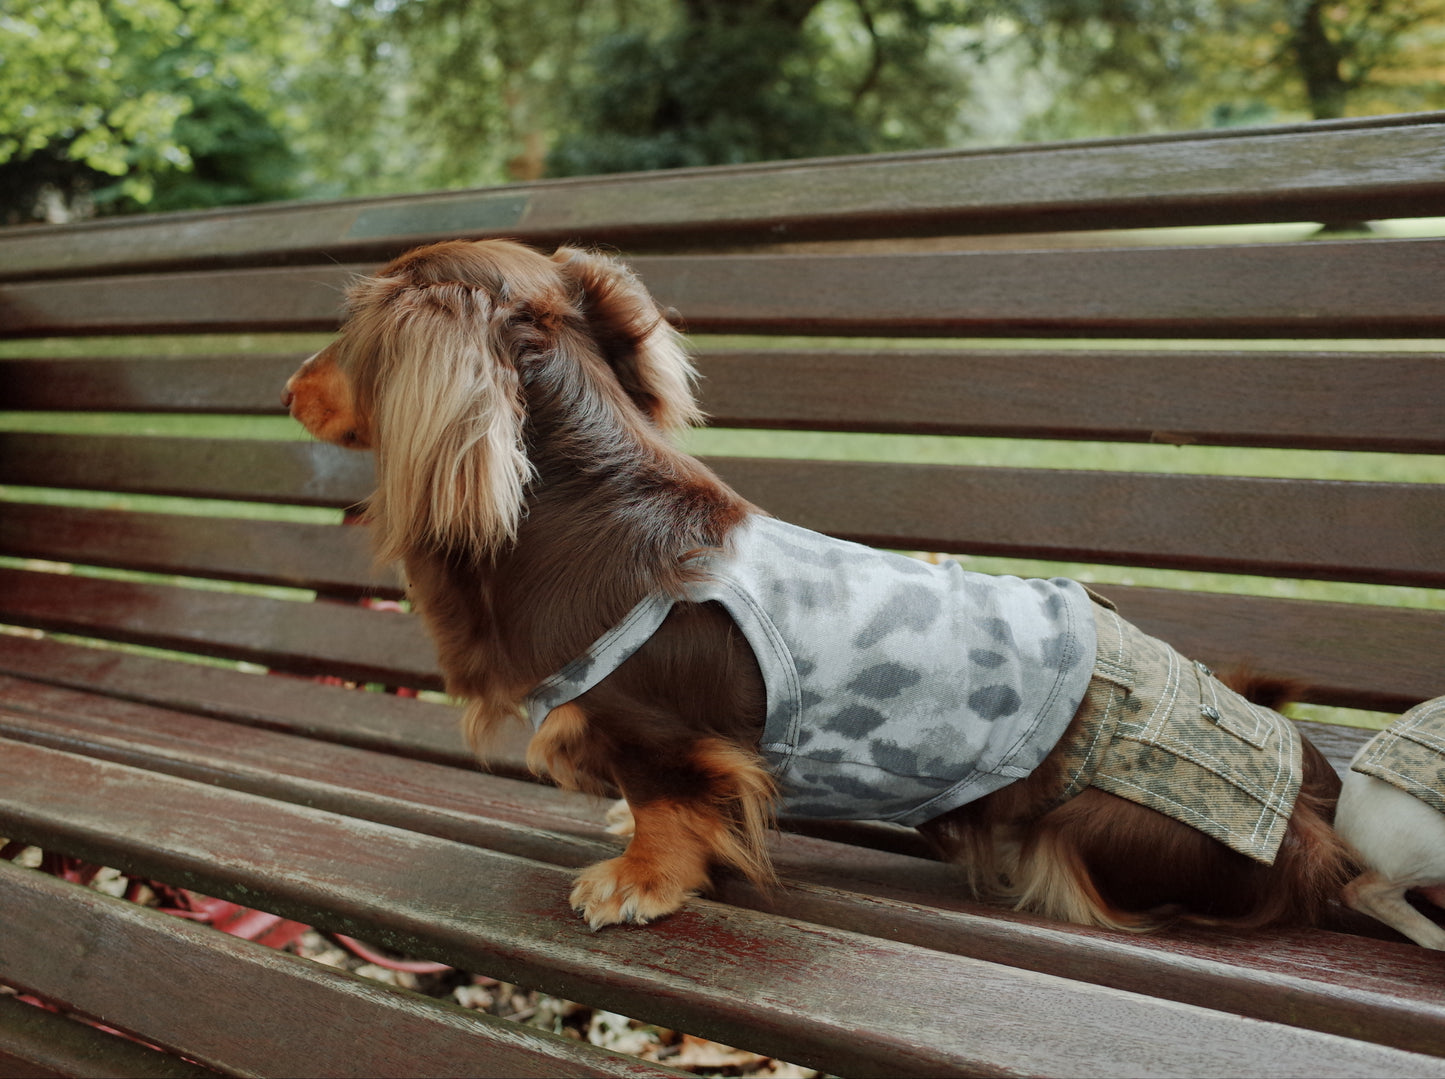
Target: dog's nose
{"x":287,"y":397}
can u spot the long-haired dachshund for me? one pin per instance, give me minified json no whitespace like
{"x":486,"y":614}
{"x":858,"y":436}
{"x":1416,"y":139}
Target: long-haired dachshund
{"x":674,"y":645}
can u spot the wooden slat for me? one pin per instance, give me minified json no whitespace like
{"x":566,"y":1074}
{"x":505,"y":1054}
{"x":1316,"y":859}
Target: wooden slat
{"x":1348,"y":170}
{"x":1384,"y":533}
{"x":490,"y":916}
{"x":403,"y":726}
{"x":332,"y":559}
{"x":508,"y":815}
{"x":1319,"y":400}
{"x":303,"y":638}
{"x":1381,"y":533}
{"x":1352,"y":656}
{"x":380,"y":721}
{"x":1305,"y":978}
{"x":1340,"y":654}
{"x":1349,"y":401}
{"x":245,"y":383}
{"x":208,"y":993}
{"x":234,"y":301}
{"x":303,"y":473}
{"x":1359,"y":288}
{"x":36,"y":1044}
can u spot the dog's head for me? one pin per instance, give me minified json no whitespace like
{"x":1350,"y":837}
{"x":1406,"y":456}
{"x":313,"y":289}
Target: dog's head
{"x":437,"y":358}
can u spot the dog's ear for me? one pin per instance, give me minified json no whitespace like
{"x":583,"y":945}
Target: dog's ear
{"x":447,"y":415}
{"x":644,"y":352}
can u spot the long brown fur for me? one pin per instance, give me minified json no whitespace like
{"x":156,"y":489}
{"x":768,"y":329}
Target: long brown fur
{"x":521,"y":407}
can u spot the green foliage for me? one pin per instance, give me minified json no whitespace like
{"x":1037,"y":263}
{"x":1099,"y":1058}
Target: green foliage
{"x":762,"y":80}
{"x":124,"y":105}
{"x":114,"y":99}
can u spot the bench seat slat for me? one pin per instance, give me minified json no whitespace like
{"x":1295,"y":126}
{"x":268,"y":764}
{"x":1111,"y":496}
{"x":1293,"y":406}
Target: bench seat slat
{"x":1350,"y":655}
{"x":483,"y":911}
{"x":1294,"y":528}
{"x":1349,"y":170}
{"x":368,"y":1029}
{"x":1327,"y":990}
{"x":1318,"y":400}
{"x":39,"y":1044}
{"x":1342,"y":288}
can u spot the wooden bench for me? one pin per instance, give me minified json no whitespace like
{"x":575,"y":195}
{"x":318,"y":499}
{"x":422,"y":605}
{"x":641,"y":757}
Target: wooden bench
{"x":809,"y":286}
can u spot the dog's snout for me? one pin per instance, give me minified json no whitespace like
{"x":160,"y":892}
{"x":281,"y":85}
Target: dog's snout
{"x":287,"y":396}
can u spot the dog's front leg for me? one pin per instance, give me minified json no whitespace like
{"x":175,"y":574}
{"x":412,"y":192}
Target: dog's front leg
{"x":667,"y":860}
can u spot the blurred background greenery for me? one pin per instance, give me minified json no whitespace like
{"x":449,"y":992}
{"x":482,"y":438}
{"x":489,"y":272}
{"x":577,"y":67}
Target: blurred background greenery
{"x":116,"y":106}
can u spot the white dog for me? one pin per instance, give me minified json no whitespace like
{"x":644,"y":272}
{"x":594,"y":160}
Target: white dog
{"x":1392,"y":810}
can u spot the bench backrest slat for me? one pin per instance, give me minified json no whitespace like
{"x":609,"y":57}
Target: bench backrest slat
{"x":333,"y":561}
{"x":1345,"y":171}
{"x":319,"y":639}
{"x":1305,"y":400}
{"x":1342,"y":288}
{"x":1314,"y":529}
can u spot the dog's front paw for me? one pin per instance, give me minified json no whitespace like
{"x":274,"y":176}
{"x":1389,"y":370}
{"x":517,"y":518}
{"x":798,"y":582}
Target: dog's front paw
{"x":620,"y":890}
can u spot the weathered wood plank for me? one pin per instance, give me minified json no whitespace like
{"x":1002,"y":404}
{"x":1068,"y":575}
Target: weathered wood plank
{"x":1352,"y":401}
{"x":301,"y":473}
{"x":1346,"y":288}
{"x":1349,"y":655}
{"x":332,"y":559}
{"x":380,"y":721}
{"x":1322,"y":980}
{"x":1348,"y":170}
{"x":232,"y":301}
{"x":1382,"y":533}
{"x":37,"y":1044}
{"x":1359,"y":288}
{"x":1385,"y":533}
{"x":1312,"y":400}
{"x":243,"y":383}
{"x":485,"y":911}
{"x":141,"y":970}
{"x":321,"y":638}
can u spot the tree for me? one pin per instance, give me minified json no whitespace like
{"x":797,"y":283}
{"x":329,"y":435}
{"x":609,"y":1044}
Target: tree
{"x":109,"y":101}
{"x":747,"y":80}
{"x":408,"y":95}
{"x":1119,"y":66}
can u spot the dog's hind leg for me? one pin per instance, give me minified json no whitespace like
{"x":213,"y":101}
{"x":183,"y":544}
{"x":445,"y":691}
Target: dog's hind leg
{"x":1384,"y":899}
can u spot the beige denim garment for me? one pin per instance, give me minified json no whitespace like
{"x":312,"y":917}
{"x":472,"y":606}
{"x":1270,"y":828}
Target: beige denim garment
{"x":1410,"y":754}
{"x":1162,"y":731}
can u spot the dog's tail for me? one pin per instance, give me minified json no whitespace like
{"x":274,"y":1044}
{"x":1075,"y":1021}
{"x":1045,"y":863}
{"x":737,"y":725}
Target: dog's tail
{"x":1270,"y":691}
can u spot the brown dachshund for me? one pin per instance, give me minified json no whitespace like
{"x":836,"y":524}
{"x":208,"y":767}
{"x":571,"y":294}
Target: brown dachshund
{"x":713,"y":666}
